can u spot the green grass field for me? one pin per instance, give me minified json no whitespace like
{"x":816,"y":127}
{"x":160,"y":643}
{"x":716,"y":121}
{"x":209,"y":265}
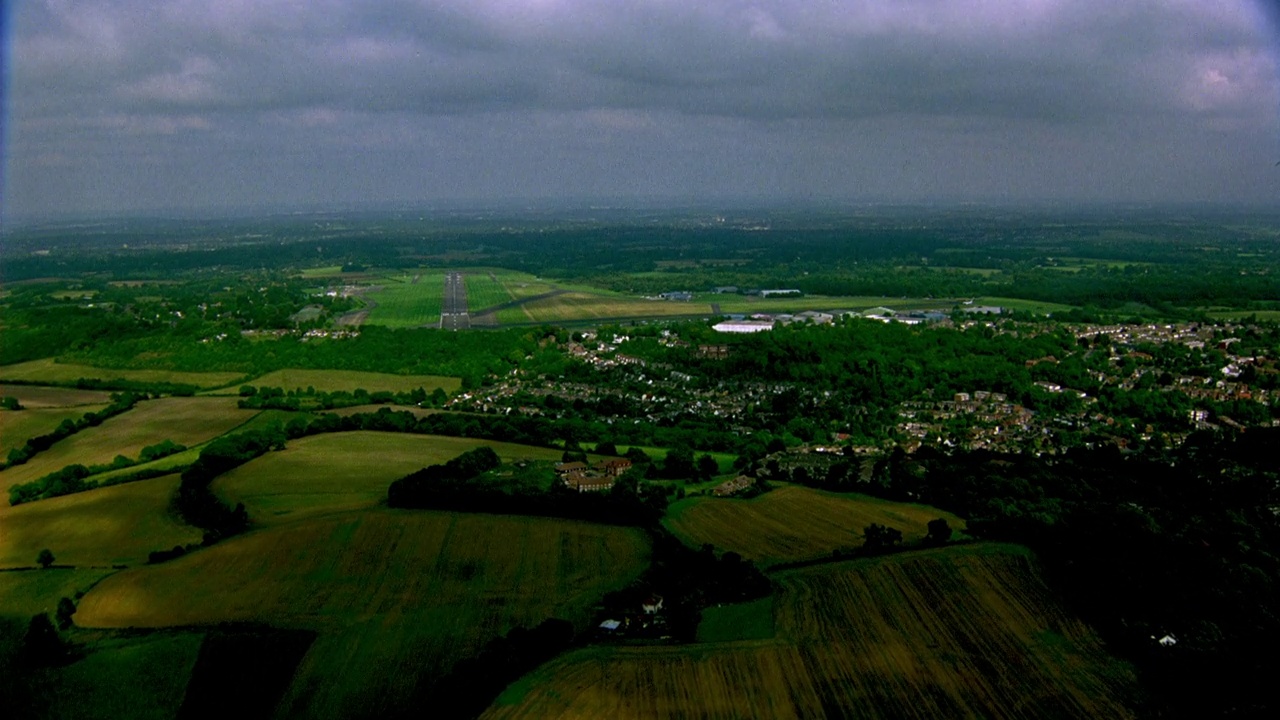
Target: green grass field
{"x":794,"y":523}
{"x":51,"y":371}
{"x":186,"y":421}
{"x":351,"y":380}
{"x":404,"y":303}
{"x":969,"y":631}
{"x":115,"y":525}
{"x":141,"y":678}
{"x":484,"y":289}
{"x":345,"y":471}
{"x":579,"y":306}
{"x":394,"y":595}
{"x":40,"y":397}
{"x":1034,"y":306}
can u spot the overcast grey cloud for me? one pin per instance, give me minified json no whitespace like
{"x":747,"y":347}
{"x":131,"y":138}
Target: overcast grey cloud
{"x":119,"y":105}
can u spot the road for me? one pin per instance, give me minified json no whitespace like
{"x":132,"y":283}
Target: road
{"x":453,"y":313}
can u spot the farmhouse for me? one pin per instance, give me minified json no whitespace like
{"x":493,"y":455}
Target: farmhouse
{"x":583,"y":482}
{"x":564,"y":468}
{"x":730,"y":487}
{"x":613,"y":468}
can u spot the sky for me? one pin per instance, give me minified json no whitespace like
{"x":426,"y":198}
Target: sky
{"x":119,"y":106}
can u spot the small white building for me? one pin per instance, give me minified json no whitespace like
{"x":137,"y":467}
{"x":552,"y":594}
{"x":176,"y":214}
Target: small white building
{"x":743,"y":326}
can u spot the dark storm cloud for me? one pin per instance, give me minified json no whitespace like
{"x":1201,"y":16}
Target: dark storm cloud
{"x":134,"y":81}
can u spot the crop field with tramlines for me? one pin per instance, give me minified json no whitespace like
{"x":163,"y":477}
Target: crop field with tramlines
{"x":345,"y":471}
{"x":409,"y":591}
{"x":184,"y":420}
{"x":795,"y":523}
{"x":966,"y":631}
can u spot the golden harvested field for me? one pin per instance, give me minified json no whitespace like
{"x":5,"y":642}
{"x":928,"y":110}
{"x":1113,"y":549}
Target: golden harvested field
{"x":344,"y":471}
{"x":795,"y":523}
{"x":51,"y":371}
{"x":967,"y":631}
{"x":352,"y":380}
{"x":188,"y":421}
{"x":35,"y":397}
{"x":393,"y":594}
{"x":572,"y":306}
{"x":18,"y":426}
{"x":114,"y":525}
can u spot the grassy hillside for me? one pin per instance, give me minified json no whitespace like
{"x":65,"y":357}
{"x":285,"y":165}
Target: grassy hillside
{"x":966,"y":631}
{"x":187,"y":421}
{"x":49,"y":370}
{"x":794,"y":523}
{"x":344,"y":471}
{"x":108,"y":526}
{"x":393,"y":594}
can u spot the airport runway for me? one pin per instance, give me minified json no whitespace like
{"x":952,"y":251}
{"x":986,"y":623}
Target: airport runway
{"x":453,"y":313}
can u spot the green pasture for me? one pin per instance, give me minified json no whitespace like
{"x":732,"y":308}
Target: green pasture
{"x":345,"y":471}
{"x":352,"y":380}
{"x":739,"y":621}
{"x":49,"y":370}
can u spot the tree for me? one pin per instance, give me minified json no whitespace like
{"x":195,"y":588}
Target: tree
{"x":637,"y":456}
{"x":939,"y":531}
{"x":606,"y":448}
{"x":45,"y":558}
{"x":66,"y":608}
{"x":679,"y":463}
{"x":42,"y":645}
{"x":708,"y":467}
{"x":880,"y":537}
